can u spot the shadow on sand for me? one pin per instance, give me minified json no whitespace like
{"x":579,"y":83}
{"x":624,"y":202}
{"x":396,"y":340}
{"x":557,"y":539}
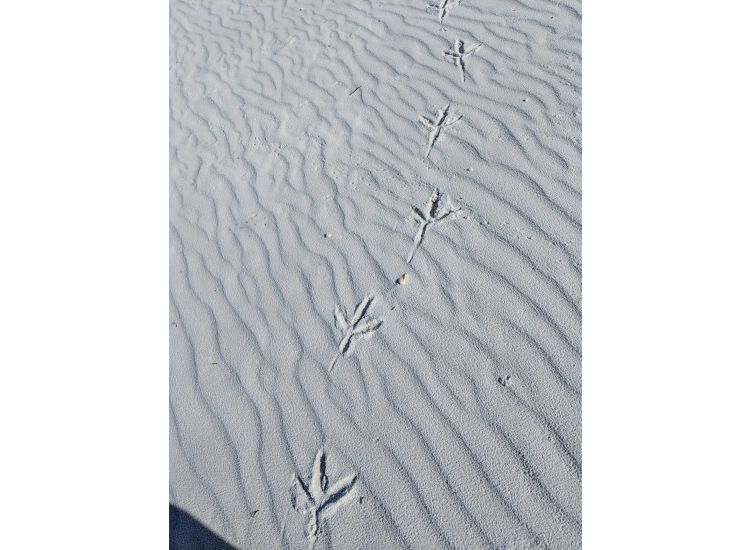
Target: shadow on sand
{"x":187,"y":533}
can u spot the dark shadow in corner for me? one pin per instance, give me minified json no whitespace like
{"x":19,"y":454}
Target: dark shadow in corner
{"x":187,"y":533}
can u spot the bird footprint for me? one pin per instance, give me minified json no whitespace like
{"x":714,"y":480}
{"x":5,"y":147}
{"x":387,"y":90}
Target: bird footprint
{"x":458,"y":55}
{"x":436,"y":126}
{"x":442,"y":6}
{"x":425,"y":218}
{"x":319,"y":501}
{"x":353,"y":326}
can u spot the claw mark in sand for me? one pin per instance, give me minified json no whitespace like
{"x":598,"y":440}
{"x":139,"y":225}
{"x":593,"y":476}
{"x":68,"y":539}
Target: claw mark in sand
{"x":353,"y":327}
{"x":458,"y":54}
{"x":427,"y":217}
{"x":436,"y":126}
{"x":319,"y":501}
{"x":442,"y":7}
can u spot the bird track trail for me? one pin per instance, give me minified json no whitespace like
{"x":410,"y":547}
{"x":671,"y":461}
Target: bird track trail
{"x":296,"y":152}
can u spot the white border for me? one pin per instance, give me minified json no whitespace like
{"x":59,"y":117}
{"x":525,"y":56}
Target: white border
{"x":665,"y":271}
{"x":84,"y":228}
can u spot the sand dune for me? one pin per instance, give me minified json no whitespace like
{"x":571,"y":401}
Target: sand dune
{"x":320,"y":150}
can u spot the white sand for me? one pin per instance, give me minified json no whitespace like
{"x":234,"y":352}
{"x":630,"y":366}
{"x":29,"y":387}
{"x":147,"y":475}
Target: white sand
{"x":299,"y":134}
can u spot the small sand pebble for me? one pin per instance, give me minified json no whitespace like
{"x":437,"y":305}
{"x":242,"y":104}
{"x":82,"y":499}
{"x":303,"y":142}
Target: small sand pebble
{"x":403,"y":279}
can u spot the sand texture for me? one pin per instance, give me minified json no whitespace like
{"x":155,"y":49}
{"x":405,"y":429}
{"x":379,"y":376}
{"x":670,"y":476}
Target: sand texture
{"x":375,"y":273}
